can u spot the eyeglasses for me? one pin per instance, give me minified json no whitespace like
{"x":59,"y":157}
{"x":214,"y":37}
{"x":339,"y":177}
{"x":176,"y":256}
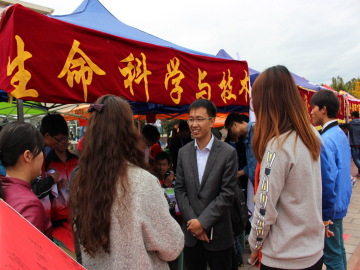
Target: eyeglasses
{"x":62,"y":139}
{"x":198,"y":120}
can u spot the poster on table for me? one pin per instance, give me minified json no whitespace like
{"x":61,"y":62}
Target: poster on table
{"x":23,"y":246}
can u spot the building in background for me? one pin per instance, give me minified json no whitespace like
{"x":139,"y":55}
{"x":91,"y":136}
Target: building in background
{"x":37,"y":8}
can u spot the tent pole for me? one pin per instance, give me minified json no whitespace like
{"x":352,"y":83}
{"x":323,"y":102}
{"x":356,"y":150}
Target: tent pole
{"x":20,"y":110}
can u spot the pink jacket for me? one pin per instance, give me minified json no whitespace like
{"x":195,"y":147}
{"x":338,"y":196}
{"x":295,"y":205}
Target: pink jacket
{"x":18,"y":194}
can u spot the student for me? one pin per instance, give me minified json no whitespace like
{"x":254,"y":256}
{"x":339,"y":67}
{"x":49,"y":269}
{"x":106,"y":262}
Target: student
{"x":64,"y":162}
{"x":325,"y":108}
{"x":183,"y":139}
{"x":162,"y":166}
{"x":205,"y":190}
{"x":287,"y":223}
{"x":54,"y":129}
{"x":355,"y":139}
{"x":130,"y":225}
{"x":150,"y":136}
{"x":21,"y":147}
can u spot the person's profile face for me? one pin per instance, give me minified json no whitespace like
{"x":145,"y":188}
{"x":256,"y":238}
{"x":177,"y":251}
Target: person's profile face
{"x":317,"y":115}
{"x":199,"y":123}
{"x":37,"y":165}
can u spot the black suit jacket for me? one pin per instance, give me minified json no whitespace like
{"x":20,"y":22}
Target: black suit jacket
{"x":210,"y":201}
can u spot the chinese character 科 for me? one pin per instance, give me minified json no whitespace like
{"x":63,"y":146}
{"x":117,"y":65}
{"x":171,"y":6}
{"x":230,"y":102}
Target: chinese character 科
{"x":244,"y":86}
{"x":22,"y":76}
{"x":201,"y":94}
{"x":135,"y":72}
{"x":173,"y":70}
{"x":86,"y":66}
{"x":227,"y":88}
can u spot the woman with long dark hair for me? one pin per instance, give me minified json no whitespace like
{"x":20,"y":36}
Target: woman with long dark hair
{"x":119,"y":214}
{"x":21,"y":154}
{"x":287,"y":224}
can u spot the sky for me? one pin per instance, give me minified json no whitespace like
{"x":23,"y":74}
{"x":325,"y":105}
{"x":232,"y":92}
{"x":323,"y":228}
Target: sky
{"x":314,"y":39}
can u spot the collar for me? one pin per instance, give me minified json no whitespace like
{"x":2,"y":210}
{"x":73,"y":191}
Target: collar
{"x":247,"y":136}
{"x":208,"y":146}
{"x":329,"y":125}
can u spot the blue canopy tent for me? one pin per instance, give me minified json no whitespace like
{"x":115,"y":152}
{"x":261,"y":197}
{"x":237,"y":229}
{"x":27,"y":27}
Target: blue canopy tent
{"x":254,"y":74}
{"x":92,"y":14}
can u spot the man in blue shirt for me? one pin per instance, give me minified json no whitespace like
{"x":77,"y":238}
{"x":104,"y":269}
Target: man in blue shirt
{"x":325,"y":108}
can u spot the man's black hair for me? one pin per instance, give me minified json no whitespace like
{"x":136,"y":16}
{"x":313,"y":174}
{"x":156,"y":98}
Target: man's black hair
{"x":184,"y":126}
{"x":326,"y":98}
{"x":355,"y":114}
{"x":234,"y":117}
{"x":204,"y":103}
{"x":163,"y":156}
{"x":150,"y":133}
{"x":54,"y":124}
{"x":345,"y":126}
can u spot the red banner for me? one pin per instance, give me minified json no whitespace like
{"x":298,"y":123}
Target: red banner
{"x":307,"y":95}
{"x":354,"y":105}
{"x":48,"y":60}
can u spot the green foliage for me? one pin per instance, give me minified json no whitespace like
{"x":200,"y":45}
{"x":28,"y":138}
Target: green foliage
{"x":338,"y":84}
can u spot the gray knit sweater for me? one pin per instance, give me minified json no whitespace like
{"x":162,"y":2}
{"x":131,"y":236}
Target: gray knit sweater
{"x":144,"y":235}
{"x":287,"y":222}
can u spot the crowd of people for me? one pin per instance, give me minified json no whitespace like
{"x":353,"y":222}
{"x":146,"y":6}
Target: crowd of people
{"x":296,"y":182}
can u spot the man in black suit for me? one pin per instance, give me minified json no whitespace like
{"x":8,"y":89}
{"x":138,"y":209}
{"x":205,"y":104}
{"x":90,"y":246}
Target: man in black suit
{"x":205,"y":190}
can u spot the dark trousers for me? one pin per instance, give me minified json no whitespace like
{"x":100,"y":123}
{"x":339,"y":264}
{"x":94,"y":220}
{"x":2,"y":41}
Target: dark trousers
{"x":316,"y":266}
{"x":197,"y":258}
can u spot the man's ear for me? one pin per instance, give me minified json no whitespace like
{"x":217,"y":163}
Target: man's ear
{"x":324,"y":110}
{"x":212,"y":121}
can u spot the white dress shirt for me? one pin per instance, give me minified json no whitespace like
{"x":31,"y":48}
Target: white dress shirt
{"x":202,"y":157}
{"x":328,"y":123}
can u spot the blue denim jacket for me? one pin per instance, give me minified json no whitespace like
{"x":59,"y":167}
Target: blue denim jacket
{"x":250,"y":168}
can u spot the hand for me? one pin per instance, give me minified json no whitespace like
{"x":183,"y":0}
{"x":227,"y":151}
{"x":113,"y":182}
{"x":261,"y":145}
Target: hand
{"x":329,"y":233}
{"x":195,"y":227}
{"x":254,"y":257}
{"x":55,"y":175}
{"x":203,"y":237}
{"x":168,"y":180}
{"x":61,"y":184}
{"x":240,"y":173}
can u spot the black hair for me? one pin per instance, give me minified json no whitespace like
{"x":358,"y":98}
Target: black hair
{"x":216,"y":133}
{"x":163,"y":156}
{"x":345,"y":126}
{"x":355,"y":114}
{"x":235,"y":117}
{"x":326,"y":98}
{"x":15,"y":139}
{"x":204,"y":103}
{"x":184,"y":126}
{"x":150,"y":133}
{"x":54,"y":124}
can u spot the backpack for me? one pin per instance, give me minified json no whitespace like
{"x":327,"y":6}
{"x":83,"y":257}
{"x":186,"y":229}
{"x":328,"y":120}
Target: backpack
{"x":239,"y":211}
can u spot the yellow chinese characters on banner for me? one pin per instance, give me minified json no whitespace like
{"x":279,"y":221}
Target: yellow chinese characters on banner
{"x":244,"y":86}
{"x":177,"y":75}
{"x":225,"y":85}
{"x":138,"y":72}
{"x":204,"y":87}
{"x":22,"y":76}
{"x":84,"y":64}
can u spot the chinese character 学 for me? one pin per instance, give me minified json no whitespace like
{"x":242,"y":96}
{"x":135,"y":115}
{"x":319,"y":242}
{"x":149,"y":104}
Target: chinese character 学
{"x":177,"y":75}
{"x":244,"y":86}
{"x":225,"y":85}
{"x":138,"y":72}
{"x":202,"y":86}
{"x":85,"y":71}
{"x":22,"y":76}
